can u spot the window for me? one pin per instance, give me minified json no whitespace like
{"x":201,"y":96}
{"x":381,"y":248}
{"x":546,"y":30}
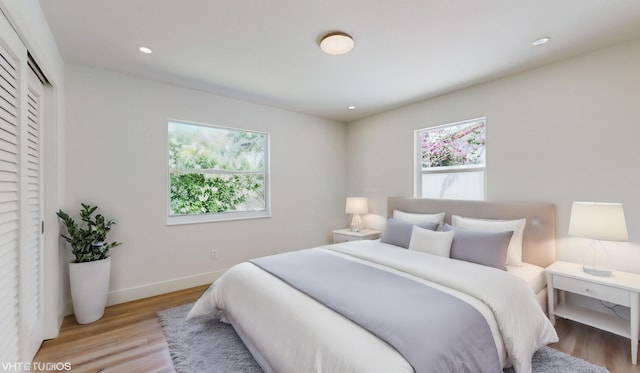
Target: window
{"x":216,"y":173}
{"x":450,"y":161}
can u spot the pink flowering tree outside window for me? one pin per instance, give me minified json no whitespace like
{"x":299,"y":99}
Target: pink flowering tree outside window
{"x":451,"y":161}
{"x":457,"y":145}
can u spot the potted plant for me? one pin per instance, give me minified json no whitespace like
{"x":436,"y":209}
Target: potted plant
{"x":89,"y":272}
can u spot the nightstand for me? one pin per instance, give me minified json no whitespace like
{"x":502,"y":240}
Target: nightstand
{"x":620,"y":288}
{"x":344,"y":235}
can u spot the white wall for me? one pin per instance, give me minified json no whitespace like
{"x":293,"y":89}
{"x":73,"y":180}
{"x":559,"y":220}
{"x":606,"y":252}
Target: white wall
{"x":116,"y":158}
{"x":567,"y":131}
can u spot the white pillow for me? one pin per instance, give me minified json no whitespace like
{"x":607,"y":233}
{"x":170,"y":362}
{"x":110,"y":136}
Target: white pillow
{"x":419,"y":218}
{"x":514,"y":252}
{"x":428,"y":241}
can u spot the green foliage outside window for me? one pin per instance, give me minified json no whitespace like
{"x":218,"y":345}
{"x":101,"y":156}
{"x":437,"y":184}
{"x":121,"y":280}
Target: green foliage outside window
{"x":215,"y":170}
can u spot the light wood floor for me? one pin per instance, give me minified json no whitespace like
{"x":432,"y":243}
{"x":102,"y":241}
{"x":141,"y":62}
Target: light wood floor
{"x":129,"y":339}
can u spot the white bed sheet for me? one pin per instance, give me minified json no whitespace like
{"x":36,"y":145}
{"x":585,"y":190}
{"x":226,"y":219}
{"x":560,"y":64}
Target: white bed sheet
{"x":303,"y":336}
{"x":310,"y":336}
{"x":535,"y":277}
{"x":532,"y":274}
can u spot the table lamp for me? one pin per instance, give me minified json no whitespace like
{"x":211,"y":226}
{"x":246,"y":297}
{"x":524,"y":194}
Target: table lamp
{"x":356,"y":206}
{"x":598,"y":221}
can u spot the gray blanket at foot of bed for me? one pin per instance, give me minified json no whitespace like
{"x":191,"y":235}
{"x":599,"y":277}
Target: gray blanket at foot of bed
{"x":434,"y":331}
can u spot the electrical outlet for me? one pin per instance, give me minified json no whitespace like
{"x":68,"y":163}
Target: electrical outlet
{"x":214,"y":254}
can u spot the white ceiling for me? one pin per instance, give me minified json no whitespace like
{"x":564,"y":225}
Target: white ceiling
{"x":267,"y":51}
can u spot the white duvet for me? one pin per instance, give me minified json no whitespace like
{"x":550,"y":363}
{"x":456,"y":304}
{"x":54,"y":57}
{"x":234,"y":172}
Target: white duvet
{"x":289,"y":332}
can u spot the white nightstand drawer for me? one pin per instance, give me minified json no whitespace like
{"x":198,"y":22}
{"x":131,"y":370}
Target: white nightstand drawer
{"x":337,"y":238}
{"x":345,"y":235}
{"x":604,"y":292}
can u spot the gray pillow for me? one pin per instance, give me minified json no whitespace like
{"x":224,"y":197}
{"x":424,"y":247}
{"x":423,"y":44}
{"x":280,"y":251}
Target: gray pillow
{"x":398,"y":232}
{"x":481,"y":247}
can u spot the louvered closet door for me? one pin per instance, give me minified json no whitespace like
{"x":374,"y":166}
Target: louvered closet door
{"x":12,"y":54}
{"x":21,"y":290}
{"x":32,"y":327}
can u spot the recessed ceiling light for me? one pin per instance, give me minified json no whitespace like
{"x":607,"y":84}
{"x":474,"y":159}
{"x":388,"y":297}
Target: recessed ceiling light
{"x":541,"y":41}
{"x":351,"y":107}
{"x":145,"y":50}
{"x":336,"y":43}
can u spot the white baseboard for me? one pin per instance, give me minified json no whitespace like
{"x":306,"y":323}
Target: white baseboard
{"x":155,"y":288}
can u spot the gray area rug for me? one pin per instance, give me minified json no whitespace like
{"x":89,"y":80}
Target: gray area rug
{"x":208,"y":345}
{"x":204,"y":344}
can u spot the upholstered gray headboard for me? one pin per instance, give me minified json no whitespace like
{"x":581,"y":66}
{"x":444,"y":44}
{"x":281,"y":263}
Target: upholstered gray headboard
{"x":539,"y":239}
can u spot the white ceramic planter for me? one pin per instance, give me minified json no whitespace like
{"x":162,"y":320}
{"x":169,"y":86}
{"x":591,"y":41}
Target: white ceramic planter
{"x":89,"y":289}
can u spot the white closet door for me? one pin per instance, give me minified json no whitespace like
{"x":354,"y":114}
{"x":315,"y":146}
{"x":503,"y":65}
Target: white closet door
{"x":20,"y":202}
{"x":12,"y":55}
{"x":31,"y":295}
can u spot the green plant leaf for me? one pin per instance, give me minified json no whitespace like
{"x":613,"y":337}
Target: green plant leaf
{"x":88,"y":242}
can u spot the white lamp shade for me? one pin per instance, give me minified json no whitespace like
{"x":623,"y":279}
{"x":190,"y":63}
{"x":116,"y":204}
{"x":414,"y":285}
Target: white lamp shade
{"x":357,"y":205}
{"x":598,"y":221}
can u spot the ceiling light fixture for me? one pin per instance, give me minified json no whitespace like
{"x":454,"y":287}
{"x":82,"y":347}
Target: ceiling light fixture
{"x":541,"y":41}
{"x":145,"y":50}
{"x":336,"y":43}
{"x":351,"y":107}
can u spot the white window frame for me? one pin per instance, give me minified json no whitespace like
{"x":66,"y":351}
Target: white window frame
{"x":419,"y":171}
{"x":221,"y":216}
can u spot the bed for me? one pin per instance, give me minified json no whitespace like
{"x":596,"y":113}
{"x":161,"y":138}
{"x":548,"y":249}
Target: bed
{"x":286,"y":312}
{"x":538,"y":242}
